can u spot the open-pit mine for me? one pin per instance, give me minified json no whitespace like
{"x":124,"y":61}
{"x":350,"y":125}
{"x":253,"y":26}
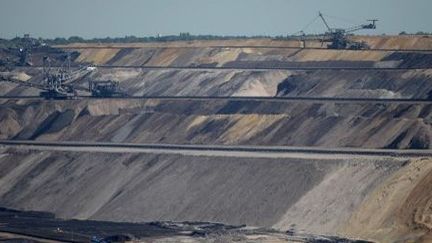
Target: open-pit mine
{"x":232,"y":140}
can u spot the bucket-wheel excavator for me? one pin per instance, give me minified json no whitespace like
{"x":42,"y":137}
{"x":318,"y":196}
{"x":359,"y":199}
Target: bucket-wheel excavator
{"x":338,"y":38}
{"x":57,"y":83}
{"x":56,"y":86}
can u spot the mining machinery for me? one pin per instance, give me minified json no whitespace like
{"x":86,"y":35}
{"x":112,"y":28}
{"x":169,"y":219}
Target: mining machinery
{"x":338,"y":37}
{"x":56,"y":86}
{"x":105,"y":89}
{"x":60,"y":87}
{"x":61,"y":92}
{"x":57,"y":82}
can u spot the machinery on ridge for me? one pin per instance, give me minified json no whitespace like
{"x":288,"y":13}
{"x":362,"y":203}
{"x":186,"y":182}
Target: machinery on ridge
{"x":106,"y":89}
{"x":55,"y":81}
{"x":58,"y":82}
{"x":338,"y":37}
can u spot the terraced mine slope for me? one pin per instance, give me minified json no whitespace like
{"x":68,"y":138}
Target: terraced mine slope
{"x":376,"y":42}
{"x":267,"y":83}
{"x":249,"y":71}
{"x":251,"y":57}
{"x":345,"y":196}
{"x":314,"y":98}
{"x":207,"y":121}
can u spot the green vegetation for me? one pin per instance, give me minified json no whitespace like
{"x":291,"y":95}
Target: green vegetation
{"x":418,"y":33}
{"x":133,"y":39}
{"x":18,"y":41}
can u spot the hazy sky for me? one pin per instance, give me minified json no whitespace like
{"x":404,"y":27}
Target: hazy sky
{"x":101,"y":18}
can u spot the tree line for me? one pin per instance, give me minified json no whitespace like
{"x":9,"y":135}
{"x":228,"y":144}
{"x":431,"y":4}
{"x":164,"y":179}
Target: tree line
{"x":18,"y":42}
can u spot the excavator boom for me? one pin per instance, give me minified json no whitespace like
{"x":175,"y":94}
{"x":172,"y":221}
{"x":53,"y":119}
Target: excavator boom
{"x":325,"y":22}
{"x":338,"y":36}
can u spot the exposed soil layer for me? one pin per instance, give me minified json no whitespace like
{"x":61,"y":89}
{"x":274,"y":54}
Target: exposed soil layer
{"x":334,"y":83}
{"x":347,"y":197}
{"x":385,"y":200}
{"x":400,"y":207}
{"x":251,"y":57}
{"x":332,"y":124}
{"x":318,"y":83}
{"x":376,"y":42}
{"x":156,"y":187}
